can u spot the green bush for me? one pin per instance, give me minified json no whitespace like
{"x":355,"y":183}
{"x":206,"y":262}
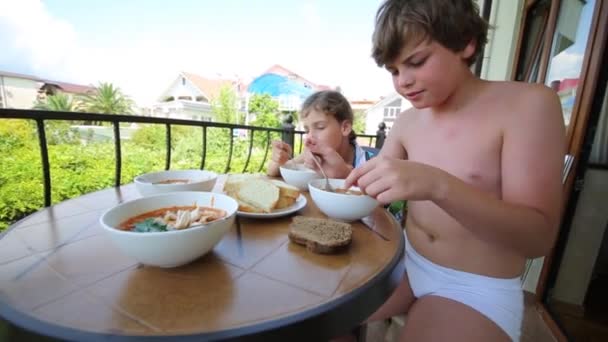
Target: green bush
{"x":78,"y":168}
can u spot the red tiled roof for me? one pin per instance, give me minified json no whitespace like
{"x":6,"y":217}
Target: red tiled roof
{"x":209,"y":87}
{"x":71,"y":88}
{"x":64,"y":86}
{"x":16,"y":75}
{"x":568,"y":83}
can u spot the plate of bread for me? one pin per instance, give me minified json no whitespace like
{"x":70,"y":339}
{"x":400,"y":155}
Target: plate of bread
{"x":261,"y":197}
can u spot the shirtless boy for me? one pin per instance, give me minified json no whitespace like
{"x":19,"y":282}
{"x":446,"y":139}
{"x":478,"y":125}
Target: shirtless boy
{"x":480,"y":165}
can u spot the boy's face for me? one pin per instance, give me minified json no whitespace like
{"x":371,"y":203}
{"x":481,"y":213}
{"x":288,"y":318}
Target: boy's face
{"x":427,"y":73}
{"x":323,"y":129}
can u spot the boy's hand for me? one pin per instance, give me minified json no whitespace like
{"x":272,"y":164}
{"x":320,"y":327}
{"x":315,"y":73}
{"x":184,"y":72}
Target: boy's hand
{"x":390,"y":179}
{"x":281,"y":152}
{"x":332,"y":163}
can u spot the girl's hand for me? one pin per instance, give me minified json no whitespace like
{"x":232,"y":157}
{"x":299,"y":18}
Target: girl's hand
{"x":281,"y":152}
{"x":389,"y":179}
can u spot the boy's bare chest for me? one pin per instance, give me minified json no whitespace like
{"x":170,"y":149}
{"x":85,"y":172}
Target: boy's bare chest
{"x":471,"y":153}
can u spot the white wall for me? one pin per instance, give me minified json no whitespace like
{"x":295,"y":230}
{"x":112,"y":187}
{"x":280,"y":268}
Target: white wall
{"x":502,"y":39}
{"x":178,"y":89}
{"x":19,"y":93}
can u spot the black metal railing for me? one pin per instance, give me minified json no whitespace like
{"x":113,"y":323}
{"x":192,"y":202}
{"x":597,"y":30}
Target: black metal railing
{"x":40,"y":117}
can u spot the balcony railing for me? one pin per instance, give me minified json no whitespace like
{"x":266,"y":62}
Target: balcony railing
{"x":40,"y":117}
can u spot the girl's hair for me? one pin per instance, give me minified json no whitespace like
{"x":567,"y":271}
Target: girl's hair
{"x":451,"y":23}
{"x":332,"y":103}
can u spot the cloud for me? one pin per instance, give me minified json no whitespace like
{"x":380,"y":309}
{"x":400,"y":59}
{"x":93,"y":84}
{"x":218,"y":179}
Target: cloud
{"x":36,"y":42}
{"x":565,"y":65}
{"x":33,"y":36}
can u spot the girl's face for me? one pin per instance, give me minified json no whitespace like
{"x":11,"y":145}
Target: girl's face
{"x":427,"y":73}
{"x":325,"y":130}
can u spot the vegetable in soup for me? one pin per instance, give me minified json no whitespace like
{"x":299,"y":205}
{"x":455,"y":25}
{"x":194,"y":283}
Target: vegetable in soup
{"x":172,"y":218}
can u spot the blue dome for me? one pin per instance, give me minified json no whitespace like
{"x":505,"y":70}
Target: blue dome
{"x":277,"y":85}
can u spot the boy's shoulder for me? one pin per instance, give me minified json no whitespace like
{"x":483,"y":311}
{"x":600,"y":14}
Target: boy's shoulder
{"x":513,"y":90}
{"x":520,"y":103}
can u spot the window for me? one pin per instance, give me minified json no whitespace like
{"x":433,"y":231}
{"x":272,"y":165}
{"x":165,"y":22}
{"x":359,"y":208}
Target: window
{"x":391,"y":112}
{"x":567,"y":51}
{"x":532,"y":41}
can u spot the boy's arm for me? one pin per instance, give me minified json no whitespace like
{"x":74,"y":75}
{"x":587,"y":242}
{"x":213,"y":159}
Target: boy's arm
{"x":526,"y":218}
{"x":393,"y":146}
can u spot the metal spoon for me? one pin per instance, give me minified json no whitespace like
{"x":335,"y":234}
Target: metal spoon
{"x":328,"y":186}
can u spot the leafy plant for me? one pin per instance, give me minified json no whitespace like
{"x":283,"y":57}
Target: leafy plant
{"x":149,"y":225}
{"x":107,"y":99}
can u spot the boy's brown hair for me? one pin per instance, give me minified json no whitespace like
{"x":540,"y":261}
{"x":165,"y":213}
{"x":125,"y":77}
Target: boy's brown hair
{"x":452,"y":23}
{"x":332,"y":103}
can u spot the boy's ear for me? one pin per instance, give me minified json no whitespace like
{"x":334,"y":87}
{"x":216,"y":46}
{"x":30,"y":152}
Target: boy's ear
{"x":469,"y":50}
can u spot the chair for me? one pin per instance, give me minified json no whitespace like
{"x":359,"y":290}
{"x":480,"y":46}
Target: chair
{"x":370,"y":152}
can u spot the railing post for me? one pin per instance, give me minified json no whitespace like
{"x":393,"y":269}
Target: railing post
{"x":288,"y":131}
{"x":380,"y":135}
{"x":46,"y":167}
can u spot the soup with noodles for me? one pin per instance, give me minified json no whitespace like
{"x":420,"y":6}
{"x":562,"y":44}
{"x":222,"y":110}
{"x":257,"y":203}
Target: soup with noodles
{"x":172,"y":218}
{"x":349,"y":192}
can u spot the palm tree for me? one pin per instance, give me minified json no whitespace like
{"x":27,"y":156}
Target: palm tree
{"x":107,"y":99}
{"x":59,"y":102}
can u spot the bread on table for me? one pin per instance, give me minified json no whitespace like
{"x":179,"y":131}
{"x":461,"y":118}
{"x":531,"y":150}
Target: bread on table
{"x":256,"y":194}
{"x":319,"y":235}
{"x":288,"y":194}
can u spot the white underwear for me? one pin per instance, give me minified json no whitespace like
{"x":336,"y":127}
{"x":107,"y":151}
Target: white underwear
{"x":499,"y":299}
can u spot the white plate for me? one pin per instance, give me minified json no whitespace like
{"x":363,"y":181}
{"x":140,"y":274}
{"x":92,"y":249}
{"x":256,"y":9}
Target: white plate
{"x":300,"y":203}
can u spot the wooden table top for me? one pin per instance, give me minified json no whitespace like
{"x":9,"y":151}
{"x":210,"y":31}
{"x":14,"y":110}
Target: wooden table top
{"x":61,"y":276}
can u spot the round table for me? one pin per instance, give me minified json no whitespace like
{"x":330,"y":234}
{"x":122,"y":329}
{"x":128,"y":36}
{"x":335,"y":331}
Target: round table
{"x":61,"y":276}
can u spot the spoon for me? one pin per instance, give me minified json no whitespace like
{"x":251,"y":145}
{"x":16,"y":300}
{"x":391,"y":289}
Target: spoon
{"x":328,"y":186}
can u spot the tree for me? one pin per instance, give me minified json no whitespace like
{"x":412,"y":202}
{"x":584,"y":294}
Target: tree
{"x":59,"y":132}
{"x":107,"y":99}
{"x":59,"y":102}
{"x":359,"y":123}
{"x":266,"y":111}
{"x":225,"y":107}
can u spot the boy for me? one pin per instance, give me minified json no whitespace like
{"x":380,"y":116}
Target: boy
{"x":480,"y":165}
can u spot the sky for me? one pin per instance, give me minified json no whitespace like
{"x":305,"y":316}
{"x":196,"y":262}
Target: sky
{"x":569,"y":63}
{"x":142,"y":45}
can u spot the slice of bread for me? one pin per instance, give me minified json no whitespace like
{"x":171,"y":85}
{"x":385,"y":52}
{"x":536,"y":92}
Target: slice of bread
{"x":288,"y":194}
{"x":319,"y":235}
{"x":250,"y":192}
{"x":286,"y":190}
{"x":259,"y":194}
{"x":234,"y":180}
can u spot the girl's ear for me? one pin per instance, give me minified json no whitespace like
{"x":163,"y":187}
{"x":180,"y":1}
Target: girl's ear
{"x":346,"y":127}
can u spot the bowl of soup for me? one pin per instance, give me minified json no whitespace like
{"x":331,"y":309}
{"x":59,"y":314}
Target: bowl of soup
{"x":297,"y":174}
{"x":341,"y":204}
{"x":175,"y":180}
{"x":170,"y":229}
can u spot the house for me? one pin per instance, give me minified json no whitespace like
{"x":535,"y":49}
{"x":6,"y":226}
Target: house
{"x":22,"y":91}
{"x":189,"y":97}
{"x":386,"y":110}
{"x":288,"y":88}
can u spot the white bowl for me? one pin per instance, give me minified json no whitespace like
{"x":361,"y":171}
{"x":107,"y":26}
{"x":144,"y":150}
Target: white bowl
{"x":298,"y":175}
{"x":171,"y":248}
{"x":338,"y":206}
{"x":199,"y":180}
